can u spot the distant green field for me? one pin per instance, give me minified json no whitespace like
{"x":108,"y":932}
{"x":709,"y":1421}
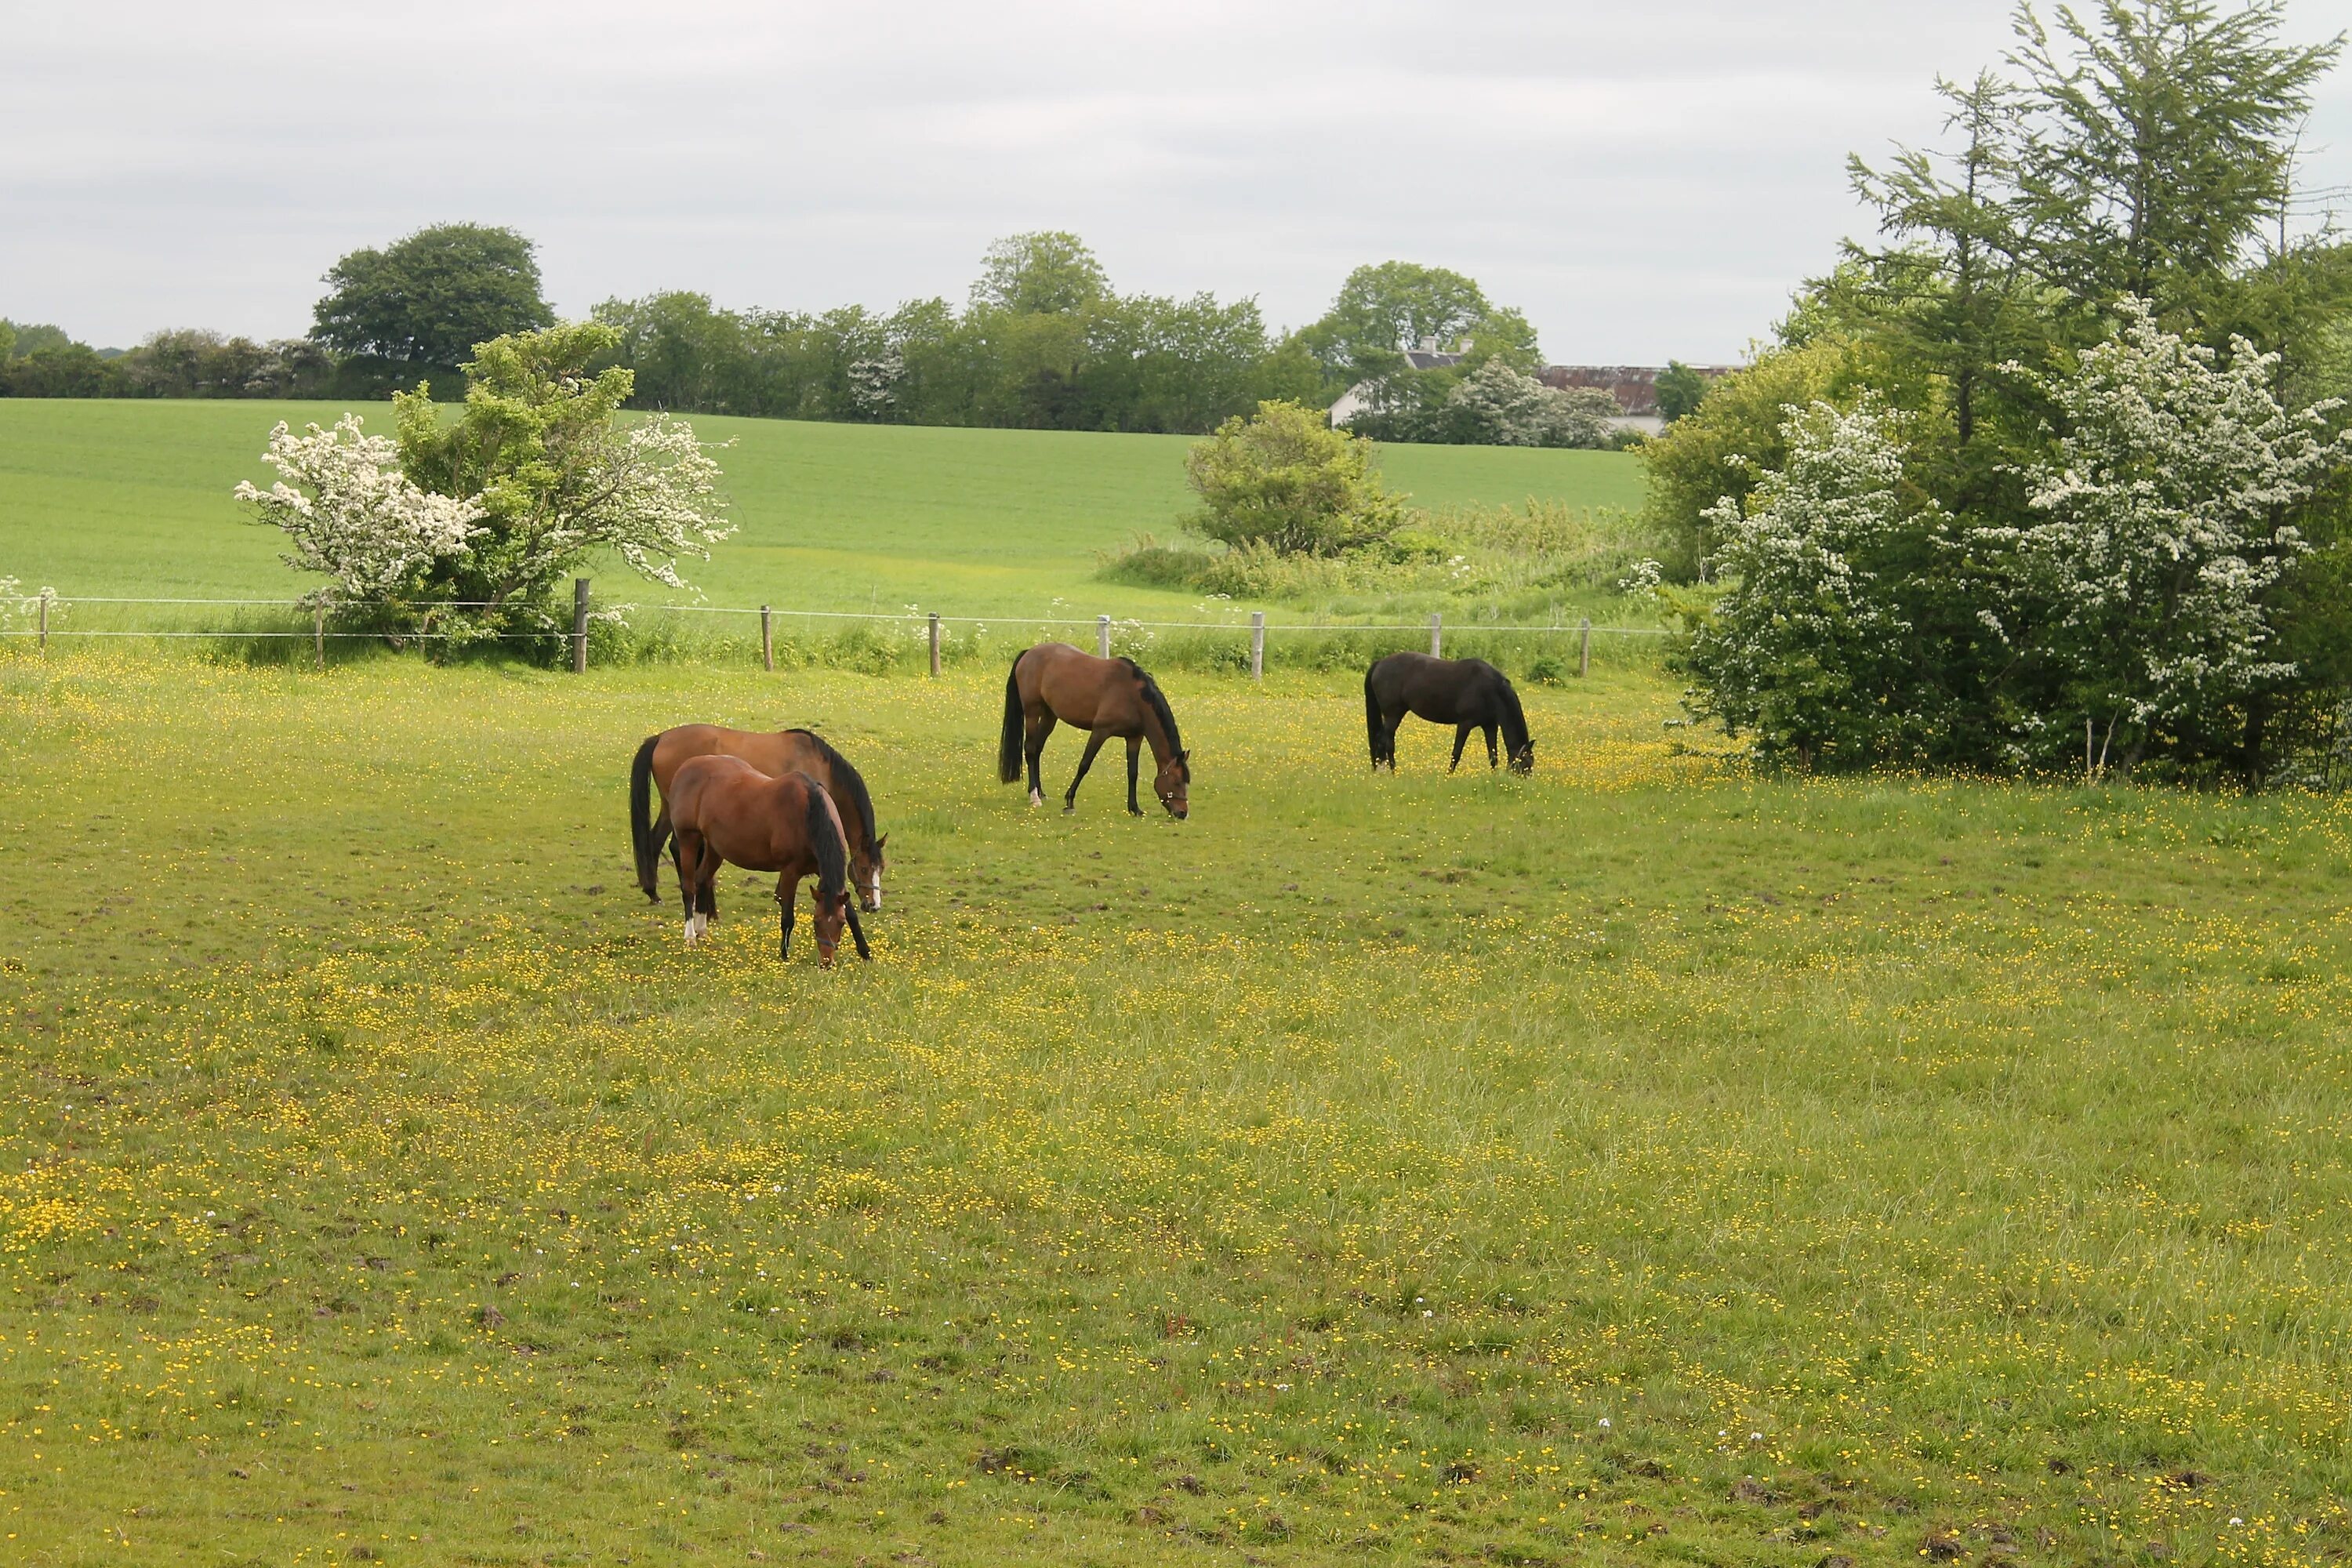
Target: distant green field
{"x":124,"y":497}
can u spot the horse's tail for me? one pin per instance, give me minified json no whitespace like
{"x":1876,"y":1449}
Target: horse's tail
{"x":641,"y":817}
{"x":1008,"y":745}
{"x":1374,"y":725}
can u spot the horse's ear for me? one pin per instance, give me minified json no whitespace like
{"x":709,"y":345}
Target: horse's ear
{"x":880,"y":842}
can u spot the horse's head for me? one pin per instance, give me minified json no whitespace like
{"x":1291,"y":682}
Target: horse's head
{"x":1172,"y":784}
{"x":832,"y":914}
{"x":1523,"y":761}
{"x":865,"y":870}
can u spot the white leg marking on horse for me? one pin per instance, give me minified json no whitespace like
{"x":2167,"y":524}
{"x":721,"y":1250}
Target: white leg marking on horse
{"x":690,"y":930}
{"x":1037,"y":797}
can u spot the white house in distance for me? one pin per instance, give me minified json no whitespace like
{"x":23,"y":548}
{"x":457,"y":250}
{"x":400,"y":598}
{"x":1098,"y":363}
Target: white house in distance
{"x":1635,"y":387}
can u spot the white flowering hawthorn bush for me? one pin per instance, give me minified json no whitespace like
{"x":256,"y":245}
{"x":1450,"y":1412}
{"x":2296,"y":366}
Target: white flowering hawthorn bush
{"x":2155,"y":534}
{"x":466,"y":528}
{"x":1808,"y":649}
{"x":540,"y":440}
{"x":2131,"y":585}
{"x":352,"y":516}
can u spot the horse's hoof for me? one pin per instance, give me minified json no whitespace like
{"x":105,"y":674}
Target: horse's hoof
{"x":1070,"y":808}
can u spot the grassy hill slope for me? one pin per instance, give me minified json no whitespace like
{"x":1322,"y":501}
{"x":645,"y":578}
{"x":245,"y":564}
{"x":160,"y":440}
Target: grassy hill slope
{"x":133,"y":497}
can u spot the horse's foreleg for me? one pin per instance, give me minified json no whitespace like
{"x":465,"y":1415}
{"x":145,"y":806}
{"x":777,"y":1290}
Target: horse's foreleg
{"x":1134,"y":758}
{"x":684,"y":856}
{"x":1460,"y":739}
{"x":788,"y":893}
{"x":1492,"y":760}
{"x":1087,"y":760}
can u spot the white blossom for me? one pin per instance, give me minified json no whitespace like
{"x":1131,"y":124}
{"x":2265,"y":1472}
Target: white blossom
{"x":873,"y":384}
{"x":16,"y":607}
{"x":2163,"y":522}
{"x":1496,"y":405}
{"x":1807,"y":643}
{"x":656,"y":500}
{"x":350,"y":513}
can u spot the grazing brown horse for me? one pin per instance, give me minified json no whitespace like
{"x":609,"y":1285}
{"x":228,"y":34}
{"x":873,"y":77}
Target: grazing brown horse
{"x":1111,"y":698}
{"x":1467,"y":693}
{"x":774,"y":752}
{"x":725,"y":811}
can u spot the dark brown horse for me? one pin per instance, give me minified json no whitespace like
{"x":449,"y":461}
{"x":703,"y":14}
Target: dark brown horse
{"x":1111,"y":698}
{"x":727,"y":811}
{"x":1467,"y":693}
{"x":774,"y":752}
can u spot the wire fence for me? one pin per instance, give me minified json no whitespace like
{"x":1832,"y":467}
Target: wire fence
{"x":37,"y":618}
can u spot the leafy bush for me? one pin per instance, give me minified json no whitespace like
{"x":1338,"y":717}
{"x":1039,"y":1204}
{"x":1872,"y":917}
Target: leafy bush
{"x":1285,"y":480}
{"x":1862,"y":622}
{"x":1810,"y":650}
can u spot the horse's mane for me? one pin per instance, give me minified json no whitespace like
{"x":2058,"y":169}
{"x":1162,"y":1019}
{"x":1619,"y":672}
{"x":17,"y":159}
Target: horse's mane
{"x":1515,"y":719}
{"x":1159,"y":701}
{"x":825,"y":837}
{"x":851,"y":782}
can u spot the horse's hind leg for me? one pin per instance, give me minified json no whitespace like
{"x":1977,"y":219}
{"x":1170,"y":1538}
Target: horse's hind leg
{"x":660,"y":834}
{"x":1460,"y":739}
{"x":1070,"y":796}
{"x":1040,"y":726}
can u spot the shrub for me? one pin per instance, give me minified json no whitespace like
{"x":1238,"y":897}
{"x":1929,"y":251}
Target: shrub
{"x":1285,"y":480}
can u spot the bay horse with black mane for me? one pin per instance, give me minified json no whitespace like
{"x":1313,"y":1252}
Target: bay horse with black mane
{"x":774,"y":752}
{"x":1467,"y":693}
{"x":727,"y":811}
{"x":1111,"y":698}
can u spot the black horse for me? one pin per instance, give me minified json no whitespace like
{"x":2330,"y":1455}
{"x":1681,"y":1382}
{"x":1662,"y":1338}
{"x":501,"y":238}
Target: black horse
{"x":1467,"y":693}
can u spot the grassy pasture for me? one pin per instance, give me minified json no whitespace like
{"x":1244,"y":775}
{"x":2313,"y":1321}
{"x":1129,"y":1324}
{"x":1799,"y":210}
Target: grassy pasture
{"x":132,"y":498}
{"x":1636,"y":1162}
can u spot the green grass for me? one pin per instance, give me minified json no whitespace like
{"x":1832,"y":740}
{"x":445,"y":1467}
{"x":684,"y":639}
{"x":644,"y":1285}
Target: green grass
{"x":1639,"y":1163}
{"x":132,"y":497}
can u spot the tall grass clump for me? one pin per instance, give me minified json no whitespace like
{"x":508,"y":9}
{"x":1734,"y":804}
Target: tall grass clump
{"x":1518,"y":560}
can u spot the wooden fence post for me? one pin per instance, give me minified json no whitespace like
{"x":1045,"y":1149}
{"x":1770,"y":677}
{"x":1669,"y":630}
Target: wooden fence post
{"x":1257,"y":644}
{"x":1436,"y":635}
{"x":319,"y":632}
{"x":580,"y":626}
{"x":1584,"y":646}
{"x":934,"y":643}
{"x":766,"y":642}
{"x":1102,"y":635}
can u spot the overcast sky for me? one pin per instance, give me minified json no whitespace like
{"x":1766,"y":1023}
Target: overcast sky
{"x":1646,"y":178}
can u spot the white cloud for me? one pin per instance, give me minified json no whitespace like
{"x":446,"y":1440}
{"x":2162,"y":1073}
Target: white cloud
{"x":1644,"y":180}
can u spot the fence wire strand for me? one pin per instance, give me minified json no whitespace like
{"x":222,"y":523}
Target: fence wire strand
{"x":916,"y":620}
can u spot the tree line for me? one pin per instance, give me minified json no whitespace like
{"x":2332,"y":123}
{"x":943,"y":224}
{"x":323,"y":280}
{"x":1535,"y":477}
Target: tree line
{"x":1041,"y":341}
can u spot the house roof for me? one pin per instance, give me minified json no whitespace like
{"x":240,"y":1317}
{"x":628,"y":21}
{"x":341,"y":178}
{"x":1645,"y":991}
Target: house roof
{"x":1635,"y":387}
